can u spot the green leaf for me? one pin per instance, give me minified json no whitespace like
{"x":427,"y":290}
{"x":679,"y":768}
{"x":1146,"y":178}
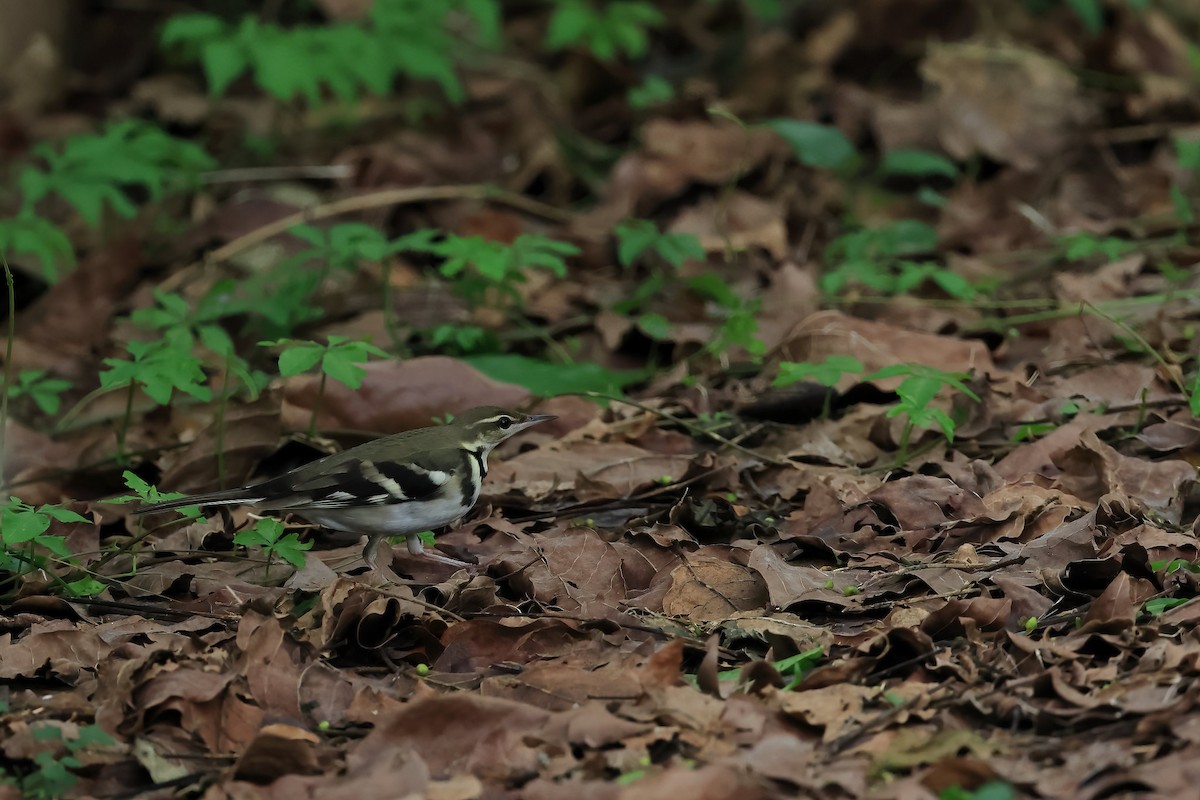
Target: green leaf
{"x":634,"y":237}
{"x":1090,"y":13}
{"x":28,"y":234}
{"x":813,"y":144}
{"x":917,"y":164}
{"x":224,"y":62}
{"x":300,"y":358}
{"x":714,"y":288}
{"x":653,"y":90}
{"x":826,"y":373}
{"x":292,"y":550}
{"x":656,"y":326}
{"x":545,"y":379}
{"x":343,"y":368}
{"x":1160,"y":605}
{"x":19,"y":526}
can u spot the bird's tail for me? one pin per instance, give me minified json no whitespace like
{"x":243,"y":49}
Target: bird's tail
{"x":229,"y":497}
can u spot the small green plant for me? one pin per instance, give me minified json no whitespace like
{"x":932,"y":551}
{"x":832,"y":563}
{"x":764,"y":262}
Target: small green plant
{"x":1082,"y":246}
{"x":339,"y":358}
{"x":993,"y":790}
{"x":827,"y":373}
{"x":651,"y":92}
{"x":477,"y":265}
{"x":39,"y":387}
{"x":148,"y":494}
{"x":51,"y":775}
{"x":462,"y":339}
{"x":917,"y":164}
{"x":175,"y":319}
{"x":159,"y":367}
{"x":877,"y":258}
{"x":25,"y":543}
{"x":739,"y":326}
{"x":1170,"y":566}
{"x":409,"y":38}
{"x":92,"y":172}
{"x":815,"y":145}
{"x":31,"y":235}
{"x":606,"y":30}
{"x":636,"y":237}
{"x":793,"y":668}
{"x":921,"y":383}
{"x":1161,"y":605}
{"x":268,"y":535}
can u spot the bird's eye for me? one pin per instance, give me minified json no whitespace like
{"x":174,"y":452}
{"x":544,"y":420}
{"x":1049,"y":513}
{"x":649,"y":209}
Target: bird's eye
{"x":505,"y":422}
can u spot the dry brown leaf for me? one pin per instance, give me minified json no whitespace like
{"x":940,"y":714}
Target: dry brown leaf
{"x":707,"y":589}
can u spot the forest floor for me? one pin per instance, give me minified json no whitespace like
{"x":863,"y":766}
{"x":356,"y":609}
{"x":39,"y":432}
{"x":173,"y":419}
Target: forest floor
{"x":966,"y":569}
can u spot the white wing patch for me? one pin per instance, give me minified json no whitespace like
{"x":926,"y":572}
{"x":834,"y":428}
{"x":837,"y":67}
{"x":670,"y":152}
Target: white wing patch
{"x":371,"y":472}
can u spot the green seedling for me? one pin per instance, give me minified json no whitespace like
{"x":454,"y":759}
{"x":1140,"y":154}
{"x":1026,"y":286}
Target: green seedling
{"x":1160,"y":605}
{"x":92,"y":172}
{"x":24,"y":541}
{"x":39,"y":387}
{"x":339,"y":358}
{"x":159,"y":367}
{"x":637,"y":237}
{"x":815,"y":145}
{"x":51,"y":775}
{"x":31,"y":235}
{"x":268,"y":535}
{"x":653,"y":91}
{"x":343,"y":60}
{"x":606,"y":30}
{"x":921,"y":383}
{"x":827,"y":373}
{"x":993,"y":790}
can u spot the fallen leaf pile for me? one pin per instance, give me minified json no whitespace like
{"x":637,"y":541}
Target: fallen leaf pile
{"x":706,"y":586}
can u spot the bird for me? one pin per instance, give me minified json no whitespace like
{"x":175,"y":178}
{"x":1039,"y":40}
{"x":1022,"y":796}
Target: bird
{"x":398,"y":485}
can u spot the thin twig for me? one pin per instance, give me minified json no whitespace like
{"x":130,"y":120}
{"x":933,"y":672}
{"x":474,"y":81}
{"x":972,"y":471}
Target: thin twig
{"x":383,"y":199}
{"x":699,"y":430}
{"x":327,"y":172}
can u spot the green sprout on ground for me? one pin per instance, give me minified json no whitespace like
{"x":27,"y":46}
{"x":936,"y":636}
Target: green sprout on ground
{"x":993,"y":790}
{"x":827,"y":373}
{"x":637,"y":237}
{"x":39,"y":387}
{"x":159,"y":367}
{"x":268,"y":535}
{"x":920,"y":385}
{"x":410,"y":38}
{"x":793,"y":668}
{"x":148,"y":494}
{"x":339,"y":358}
{"x":26,"y":547}
{"x":606,"y":30}
{"x":51,"y":775}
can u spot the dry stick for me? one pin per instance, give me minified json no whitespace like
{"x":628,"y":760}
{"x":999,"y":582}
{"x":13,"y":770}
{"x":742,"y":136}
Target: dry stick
{"x":382,"y":199}
{"x":8,"y":350}
{"x":690,"y":426}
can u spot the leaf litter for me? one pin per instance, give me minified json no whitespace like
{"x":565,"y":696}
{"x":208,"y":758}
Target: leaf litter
{"x":644,"y":582}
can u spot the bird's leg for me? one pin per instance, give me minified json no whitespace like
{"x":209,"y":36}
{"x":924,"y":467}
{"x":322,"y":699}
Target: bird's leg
{"x":413,"y":543}
{"x":371,"y":557}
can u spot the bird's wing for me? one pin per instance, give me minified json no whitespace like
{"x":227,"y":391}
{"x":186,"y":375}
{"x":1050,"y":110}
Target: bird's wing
{"x":362,"y":481}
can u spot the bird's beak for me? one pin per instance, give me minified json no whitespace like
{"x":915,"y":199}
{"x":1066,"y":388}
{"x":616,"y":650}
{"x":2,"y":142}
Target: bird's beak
{"x":536,"y":419}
